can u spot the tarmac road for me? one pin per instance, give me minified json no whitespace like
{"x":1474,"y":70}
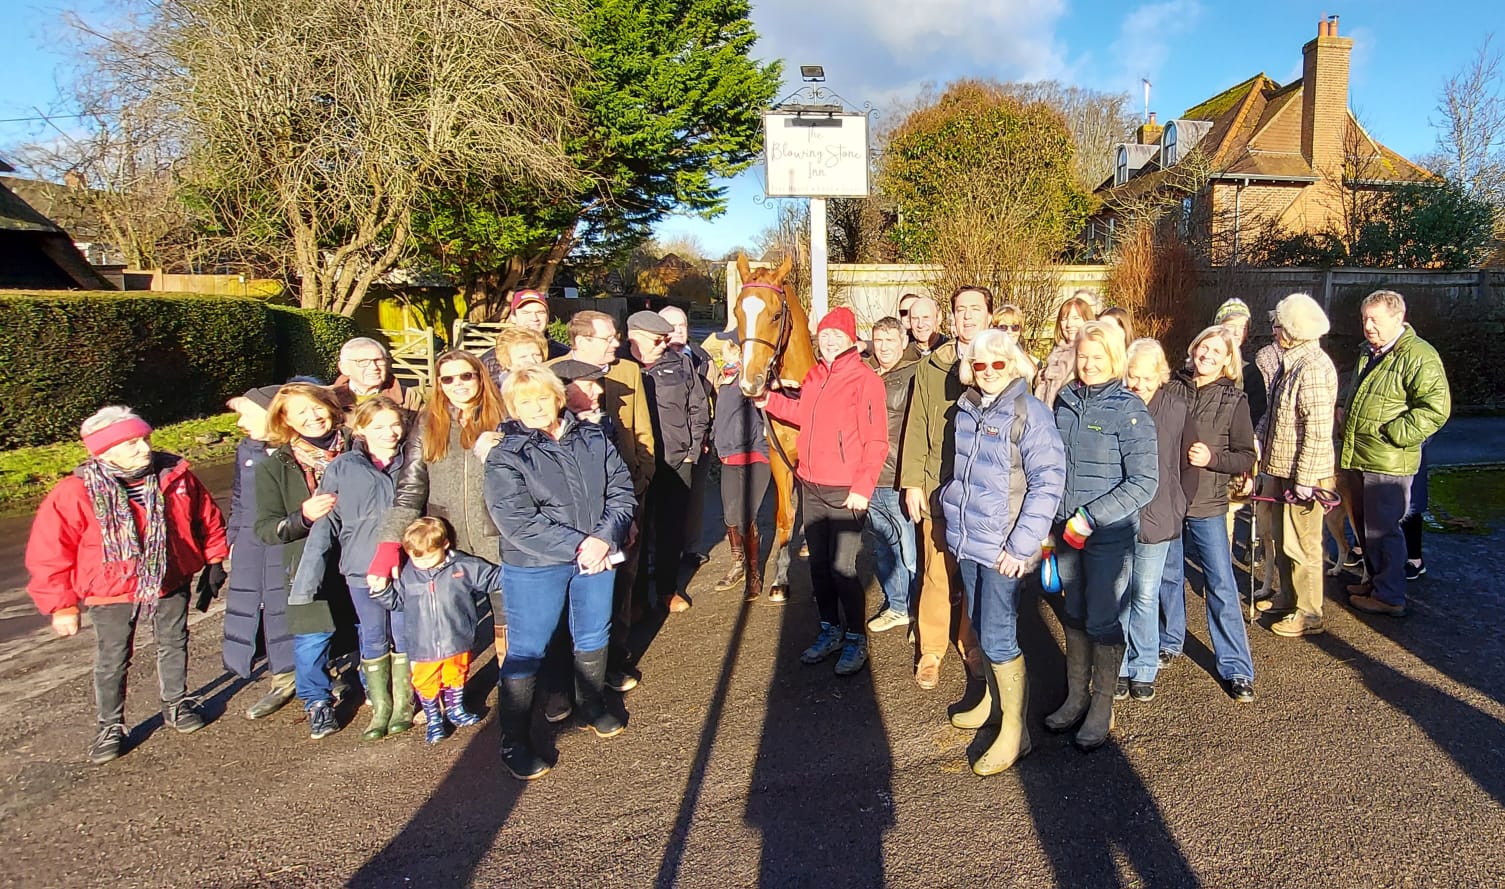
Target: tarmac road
{"x":1375,"y":756}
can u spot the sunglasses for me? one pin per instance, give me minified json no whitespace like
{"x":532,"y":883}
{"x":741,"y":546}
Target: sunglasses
{"x":466,"y":377}
{"x":903,"y":313}
{"x":980,"y":366}
{"x":1012,"y":328}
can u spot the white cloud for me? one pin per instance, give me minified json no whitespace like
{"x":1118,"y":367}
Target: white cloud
{"x":1146,"y":38}
{"x":881,"y":51}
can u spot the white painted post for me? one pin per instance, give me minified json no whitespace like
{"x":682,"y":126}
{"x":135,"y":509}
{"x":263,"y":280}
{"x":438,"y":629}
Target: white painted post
{"x":819,"y":279}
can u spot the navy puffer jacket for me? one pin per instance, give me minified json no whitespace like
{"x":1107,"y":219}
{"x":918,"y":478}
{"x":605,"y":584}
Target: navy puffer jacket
{"x":547,"y":496}
{"x":1111,"y":459}
{"x":353,"y":528}
{"x":978,"y":509}
{"x":440,"y":604}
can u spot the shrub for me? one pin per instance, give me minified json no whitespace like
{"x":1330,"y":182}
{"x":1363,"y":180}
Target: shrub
{"x":308,"y":342}
{"x":169,"y":356}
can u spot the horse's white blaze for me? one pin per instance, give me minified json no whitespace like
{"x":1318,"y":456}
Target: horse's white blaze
{"x":752,"y":306}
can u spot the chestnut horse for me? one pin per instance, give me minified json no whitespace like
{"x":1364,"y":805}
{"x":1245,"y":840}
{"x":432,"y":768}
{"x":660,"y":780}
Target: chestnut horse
{"x":776,"y":352}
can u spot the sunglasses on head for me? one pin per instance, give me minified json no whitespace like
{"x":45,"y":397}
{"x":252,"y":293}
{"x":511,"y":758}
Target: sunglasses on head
{"x":466,"y":377}
{"x":980,"y":366}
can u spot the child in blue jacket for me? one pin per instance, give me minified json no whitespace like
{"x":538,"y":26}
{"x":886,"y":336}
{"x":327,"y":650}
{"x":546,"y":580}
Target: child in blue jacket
{"x":439,"y":590}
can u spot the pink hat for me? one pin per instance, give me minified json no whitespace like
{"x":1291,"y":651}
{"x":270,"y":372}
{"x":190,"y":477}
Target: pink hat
{"x":842,"y":319}
{"x":527,"y":296}
{"x":122,"y":430}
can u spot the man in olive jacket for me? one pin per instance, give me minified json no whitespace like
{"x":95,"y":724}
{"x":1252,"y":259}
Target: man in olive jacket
{"x":925,"y":463}
{"x":1398,"y":399}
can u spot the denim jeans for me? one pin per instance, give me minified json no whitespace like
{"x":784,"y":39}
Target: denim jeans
{"x":535,"y":599}
{"x":114,"y":639}
{"x":1173,"y":599}
{"x":893,"y":549}
{"x":310,"y":655}
{"x":993,"y":603}
{"x":1207,"y":545}
{"x":1140,"y":619}
{"x":1095,"y":580}
{"x":380,"y":629}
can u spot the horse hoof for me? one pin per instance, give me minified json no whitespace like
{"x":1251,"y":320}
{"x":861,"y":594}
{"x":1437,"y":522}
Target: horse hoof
{"x":778,"y":595}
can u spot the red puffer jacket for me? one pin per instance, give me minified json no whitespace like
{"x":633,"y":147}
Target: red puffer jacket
{"x":65,"y":553}
{"x":843,"y":420}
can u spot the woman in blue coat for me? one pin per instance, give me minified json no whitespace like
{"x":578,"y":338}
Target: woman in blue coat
{"x":1111,"y":474}
{"x":256,"y":596}
{"x":562,"y":498}
{"x":999,"y":505}
{"x":362,"y":481}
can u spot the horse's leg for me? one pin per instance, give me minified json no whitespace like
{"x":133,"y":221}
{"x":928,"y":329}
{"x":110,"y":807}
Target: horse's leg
{"x":783,"y":528}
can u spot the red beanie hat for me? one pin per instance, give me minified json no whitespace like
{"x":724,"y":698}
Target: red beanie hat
{"x":840,"y":318}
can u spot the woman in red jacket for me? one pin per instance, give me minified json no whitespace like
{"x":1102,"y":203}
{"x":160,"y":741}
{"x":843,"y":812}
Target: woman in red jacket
{"x":123,"y":536}
{"x":843,"y":440}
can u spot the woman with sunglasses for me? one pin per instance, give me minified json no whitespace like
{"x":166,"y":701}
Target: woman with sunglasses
{"x":444,"y":467}
{"x":1111,"y":474}
{"x":1008,"y":451}
{"x":1010,"y":320}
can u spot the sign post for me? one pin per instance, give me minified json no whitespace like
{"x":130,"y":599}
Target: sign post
{"x":817,"y":152}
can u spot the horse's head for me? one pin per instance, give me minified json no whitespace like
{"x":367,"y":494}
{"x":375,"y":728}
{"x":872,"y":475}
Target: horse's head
{"x":762,"y":322}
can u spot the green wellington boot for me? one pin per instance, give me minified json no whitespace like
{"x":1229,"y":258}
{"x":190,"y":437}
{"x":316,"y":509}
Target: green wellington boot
{"x":378,"y":675}
{"x":403,"y":704}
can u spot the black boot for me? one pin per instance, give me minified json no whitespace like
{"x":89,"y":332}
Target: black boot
{"x":590,"y":695}
{"x":514,"y":704}
{"x":1106,"y":659}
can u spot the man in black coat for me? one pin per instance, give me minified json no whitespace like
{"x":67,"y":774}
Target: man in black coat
{"x":681,"y":420}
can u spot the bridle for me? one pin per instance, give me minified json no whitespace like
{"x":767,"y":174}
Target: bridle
{"x":771,"y":374}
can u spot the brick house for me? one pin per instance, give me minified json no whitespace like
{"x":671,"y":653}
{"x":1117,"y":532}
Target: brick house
{"x":1255,"y":154}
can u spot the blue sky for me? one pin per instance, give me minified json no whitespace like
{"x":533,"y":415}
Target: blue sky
{"x":883,"y":51}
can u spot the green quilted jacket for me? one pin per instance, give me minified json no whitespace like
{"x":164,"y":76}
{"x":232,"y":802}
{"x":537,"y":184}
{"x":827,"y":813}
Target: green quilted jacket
{"x":1399,"y":404}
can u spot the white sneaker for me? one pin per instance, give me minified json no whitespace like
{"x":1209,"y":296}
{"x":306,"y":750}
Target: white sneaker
{"x":887,"y":619}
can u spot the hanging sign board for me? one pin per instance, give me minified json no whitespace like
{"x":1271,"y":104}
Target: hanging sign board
{"x":815,"y":155}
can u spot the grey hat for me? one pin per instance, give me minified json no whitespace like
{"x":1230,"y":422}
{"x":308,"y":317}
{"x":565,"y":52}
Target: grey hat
{"x":569,"y":370}
{"x":649,"y":322}
{"x":262,"y":396}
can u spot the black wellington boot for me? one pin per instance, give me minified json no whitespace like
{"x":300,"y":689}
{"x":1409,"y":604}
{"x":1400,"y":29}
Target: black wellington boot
{"x":590,"y":694}
{"x":514,"y":702}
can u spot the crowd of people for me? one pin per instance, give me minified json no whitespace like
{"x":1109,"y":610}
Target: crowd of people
{"x":559,"y":490}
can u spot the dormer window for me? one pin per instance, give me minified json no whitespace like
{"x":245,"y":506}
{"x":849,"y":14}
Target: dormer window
{"x":1168,"y":145}
{"x":1121,"y":171}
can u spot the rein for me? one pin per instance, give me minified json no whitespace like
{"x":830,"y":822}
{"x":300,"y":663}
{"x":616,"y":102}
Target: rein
{"x":775,"y":363}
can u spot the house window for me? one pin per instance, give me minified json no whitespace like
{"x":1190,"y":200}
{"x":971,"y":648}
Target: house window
{"x":1185,"y":222}
{"x":1111,"y":231}
{"x":1121,"y":173}
{"x":1168,"y":145}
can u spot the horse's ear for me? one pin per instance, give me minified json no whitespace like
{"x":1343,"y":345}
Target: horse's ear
{"x":743,"y":269}
{"x":784,"y":268}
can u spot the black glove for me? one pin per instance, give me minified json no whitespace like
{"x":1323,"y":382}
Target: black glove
{"x":211,"y":579}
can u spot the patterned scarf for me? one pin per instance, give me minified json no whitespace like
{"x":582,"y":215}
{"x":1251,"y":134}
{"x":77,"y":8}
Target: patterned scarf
{"x":313,"y":460}
{"x":117,"y":527}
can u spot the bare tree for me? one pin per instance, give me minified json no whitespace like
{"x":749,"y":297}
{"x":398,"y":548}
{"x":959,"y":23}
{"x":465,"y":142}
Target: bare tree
{"x":1097,"y":121}
{"x":1471,"y":132}
{"x":119,"y":152}
{"x":315,"y":127}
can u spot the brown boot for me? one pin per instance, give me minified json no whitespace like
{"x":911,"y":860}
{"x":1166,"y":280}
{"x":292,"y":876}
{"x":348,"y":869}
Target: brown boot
{"x":734,"y":574}
{"x":753,"y":571}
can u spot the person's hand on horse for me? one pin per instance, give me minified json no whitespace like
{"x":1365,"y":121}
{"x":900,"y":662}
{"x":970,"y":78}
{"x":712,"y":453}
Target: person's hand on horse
{"x":914,"y":504}
{"x":855,"y":502}
{"x":65,"y":625}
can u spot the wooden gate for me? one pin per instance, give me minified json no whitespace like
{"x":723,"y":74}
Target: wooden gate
{"x":413,"y":354}
{"x":475,"y":337}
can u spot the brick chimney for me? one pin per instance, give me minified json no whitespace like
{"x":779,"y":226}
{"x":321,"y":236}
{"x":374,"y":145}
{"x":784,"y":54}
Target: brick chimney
{"x":1324,"y":97}
{"x":1148,"y":131}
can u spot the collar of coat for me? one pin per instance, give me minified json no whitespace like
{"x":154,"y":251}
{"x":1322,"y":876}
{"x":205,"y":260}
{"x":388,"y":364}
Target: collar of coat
{"x":906,"y":359}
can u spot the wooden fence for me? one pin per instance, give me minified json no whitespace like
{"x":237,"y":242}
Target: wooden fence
{"x":413,"y":353}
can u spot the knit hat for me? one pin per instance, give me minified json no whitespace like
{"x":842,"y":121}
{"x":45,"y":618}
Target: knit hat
{"x":1233,"y":308}
{"x":839,"y":318}
{"x":526,"y":296}
{"x":122,"y":430}
{"x":261,"y":396}
{"x":1301,"y":318}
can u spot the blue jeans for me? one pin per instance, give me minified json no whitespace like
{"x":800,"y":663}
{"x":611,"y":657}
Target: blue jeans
{"x":380,"y":629}
{"x":893,"y":549}
{"x":310,"y":655}
{"x":1207,"y":545}
{"x":1095,"y":580}
{"x":1142,"y":657}
{"x":993,"y":604}
{"x":535,"y":599}
{"x":1173,"y":599}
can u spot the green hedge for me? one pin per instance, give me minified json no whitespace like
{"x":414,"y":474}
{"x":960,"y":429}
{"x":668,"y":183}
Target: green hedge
{"x":169,"y":356}
{"x":308,"y":342}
